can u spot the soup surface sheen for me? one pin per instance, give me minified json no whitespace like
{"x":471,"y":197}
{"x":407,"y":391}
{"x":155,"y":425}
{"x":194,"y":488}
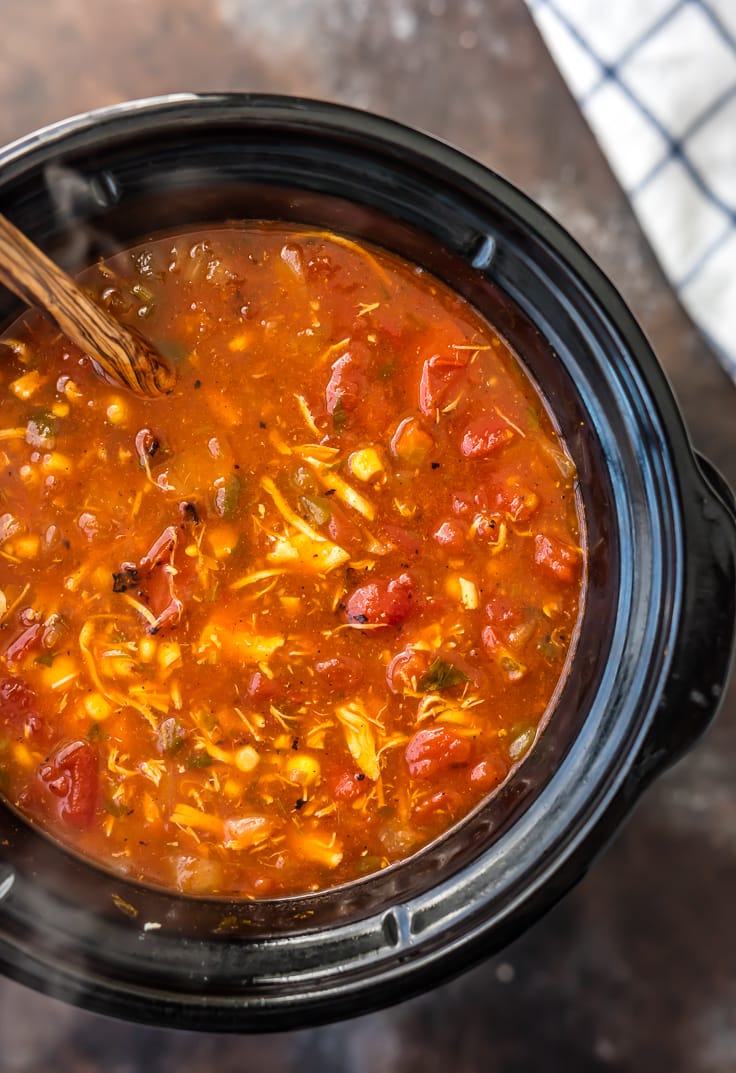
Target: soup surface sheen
{"x":288,"y":625}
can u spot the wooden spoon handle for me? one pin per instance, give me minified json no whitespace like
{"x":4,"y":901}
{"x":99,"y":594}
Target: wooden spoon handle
{"x":120,"y":352}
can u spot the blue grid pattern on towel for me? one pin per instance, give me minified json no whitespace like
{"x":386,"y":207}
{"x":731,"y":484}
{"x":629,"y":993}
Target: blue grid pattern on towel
{"x":662,"y":73}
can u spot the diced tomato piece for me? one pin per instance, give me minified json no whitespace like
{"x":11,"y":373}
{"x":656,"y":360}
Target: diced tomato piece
{"x":24,"y":643}
{"x":441,"y":379}
{"x":502,"y":611}
{"x":341,"y":672}
{"x":517,"y":502}
{"x":19,"y":712}
{"x":509,"y":624}
{"x":346,"y":385}
{"x":320,"y":267}
{"x":462,"y":503}
{"x":435,"y":749}
{"x":261,"y":687}
{"x":388,"y":603}
{"x":72,"y":774}
{"x":562,"y":560}
{"x":401,"y":538}
{"x":491,"y":641}
{"x":485,"y":435}
{"x":349,"y":786}
{"x":450,"y":534}
{"x":343,"y":530}
{"x":488,"y":773}
{"x":445,"y":802}
{"x":406,"y":668}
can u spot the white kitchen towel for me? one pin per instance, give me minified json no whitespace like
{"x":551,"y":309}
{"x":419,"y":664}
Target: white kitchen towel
{"x":656,"y":80}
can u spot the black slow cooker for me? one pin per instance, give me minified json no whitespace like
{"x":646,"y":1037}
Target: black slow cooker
{"x":656,"y":637}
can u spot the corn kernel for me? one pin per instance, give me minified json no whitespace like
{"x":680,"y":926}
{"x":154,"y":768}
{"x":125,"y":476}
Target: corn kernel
{"x":169,"y":653}
{"x":406,"y":510}
{"x":232,"y":789}
{"x":117,"y":412}
{"x":25,"y":547}
{"x":27,"y":385}
{"x":147,"y":649}
{"x":222,"y":540}
{"x":239,"y":342}
{"x":246,"y":759}
{"x":63,"y":670}
{"x":366,"y":464}
{"x":303,"y":769}
{"x":60,"y":409}
{"x":150,"y":809}
{"x":56,"y":462}
{"x":97,"y":707}
{"x":28,"y":474}
{"x":22,"y":754}
{"x":71,"y":391}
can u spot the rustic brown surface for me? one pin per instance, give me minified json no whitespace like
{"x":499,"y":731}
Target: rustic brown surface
{"x":636,"y":970}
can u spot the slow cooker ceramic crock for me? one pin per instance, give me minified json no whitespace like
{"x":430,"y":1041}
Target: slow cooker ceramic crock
{"x":655,"y":641}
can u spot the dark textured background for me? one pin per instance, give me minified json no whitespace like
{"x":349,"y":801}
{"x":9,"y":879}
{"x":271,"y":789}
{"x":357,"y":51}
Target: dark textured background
{"x":636,"y":969}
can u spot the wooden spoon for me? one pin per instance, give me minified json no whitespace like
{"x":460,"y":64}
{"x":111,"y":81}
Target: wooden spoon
{"x":119,"y":351}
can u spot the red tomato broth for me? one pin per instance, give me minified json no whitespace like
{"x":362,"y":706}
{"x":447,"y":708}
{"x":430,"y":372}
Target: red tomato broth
{"x":289,"y":625}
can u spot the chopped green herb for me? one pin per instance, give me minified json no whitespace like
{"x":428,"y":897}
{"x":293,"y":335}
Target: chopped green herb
{"x":387,"y":371}
{"x":115,"y":808}
{"x":197,"y":760}
{"x":41,"y":429}
{"x":46,"y":659}
{"x":441,"y":675}
{"x":315,"y":509}
{"x":227,"y":496}
{"x":171,"y":736}
{"x":339,"y":416}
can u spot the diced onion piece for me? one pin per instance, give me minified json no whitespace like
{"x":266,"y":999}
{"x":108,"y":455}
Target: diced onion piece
{"x":9,"y":527}
{"x":320,"y":850}
{"x":186,"y":816}
{"x":242,"y":644}
{"x":359,"y":737}
{"x":26,"y":386}
{"x":468,"y":593}
{"x":344,"y":491}
{"x":244,"y":832}
{"x":307,"y":415}
{"x":320,"y":556}
{"x":250,"y":579}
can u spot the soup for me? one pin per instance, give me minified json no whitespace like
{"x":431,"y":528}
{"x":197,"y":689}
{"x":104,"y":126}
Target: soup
{"x":288,"y":625}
